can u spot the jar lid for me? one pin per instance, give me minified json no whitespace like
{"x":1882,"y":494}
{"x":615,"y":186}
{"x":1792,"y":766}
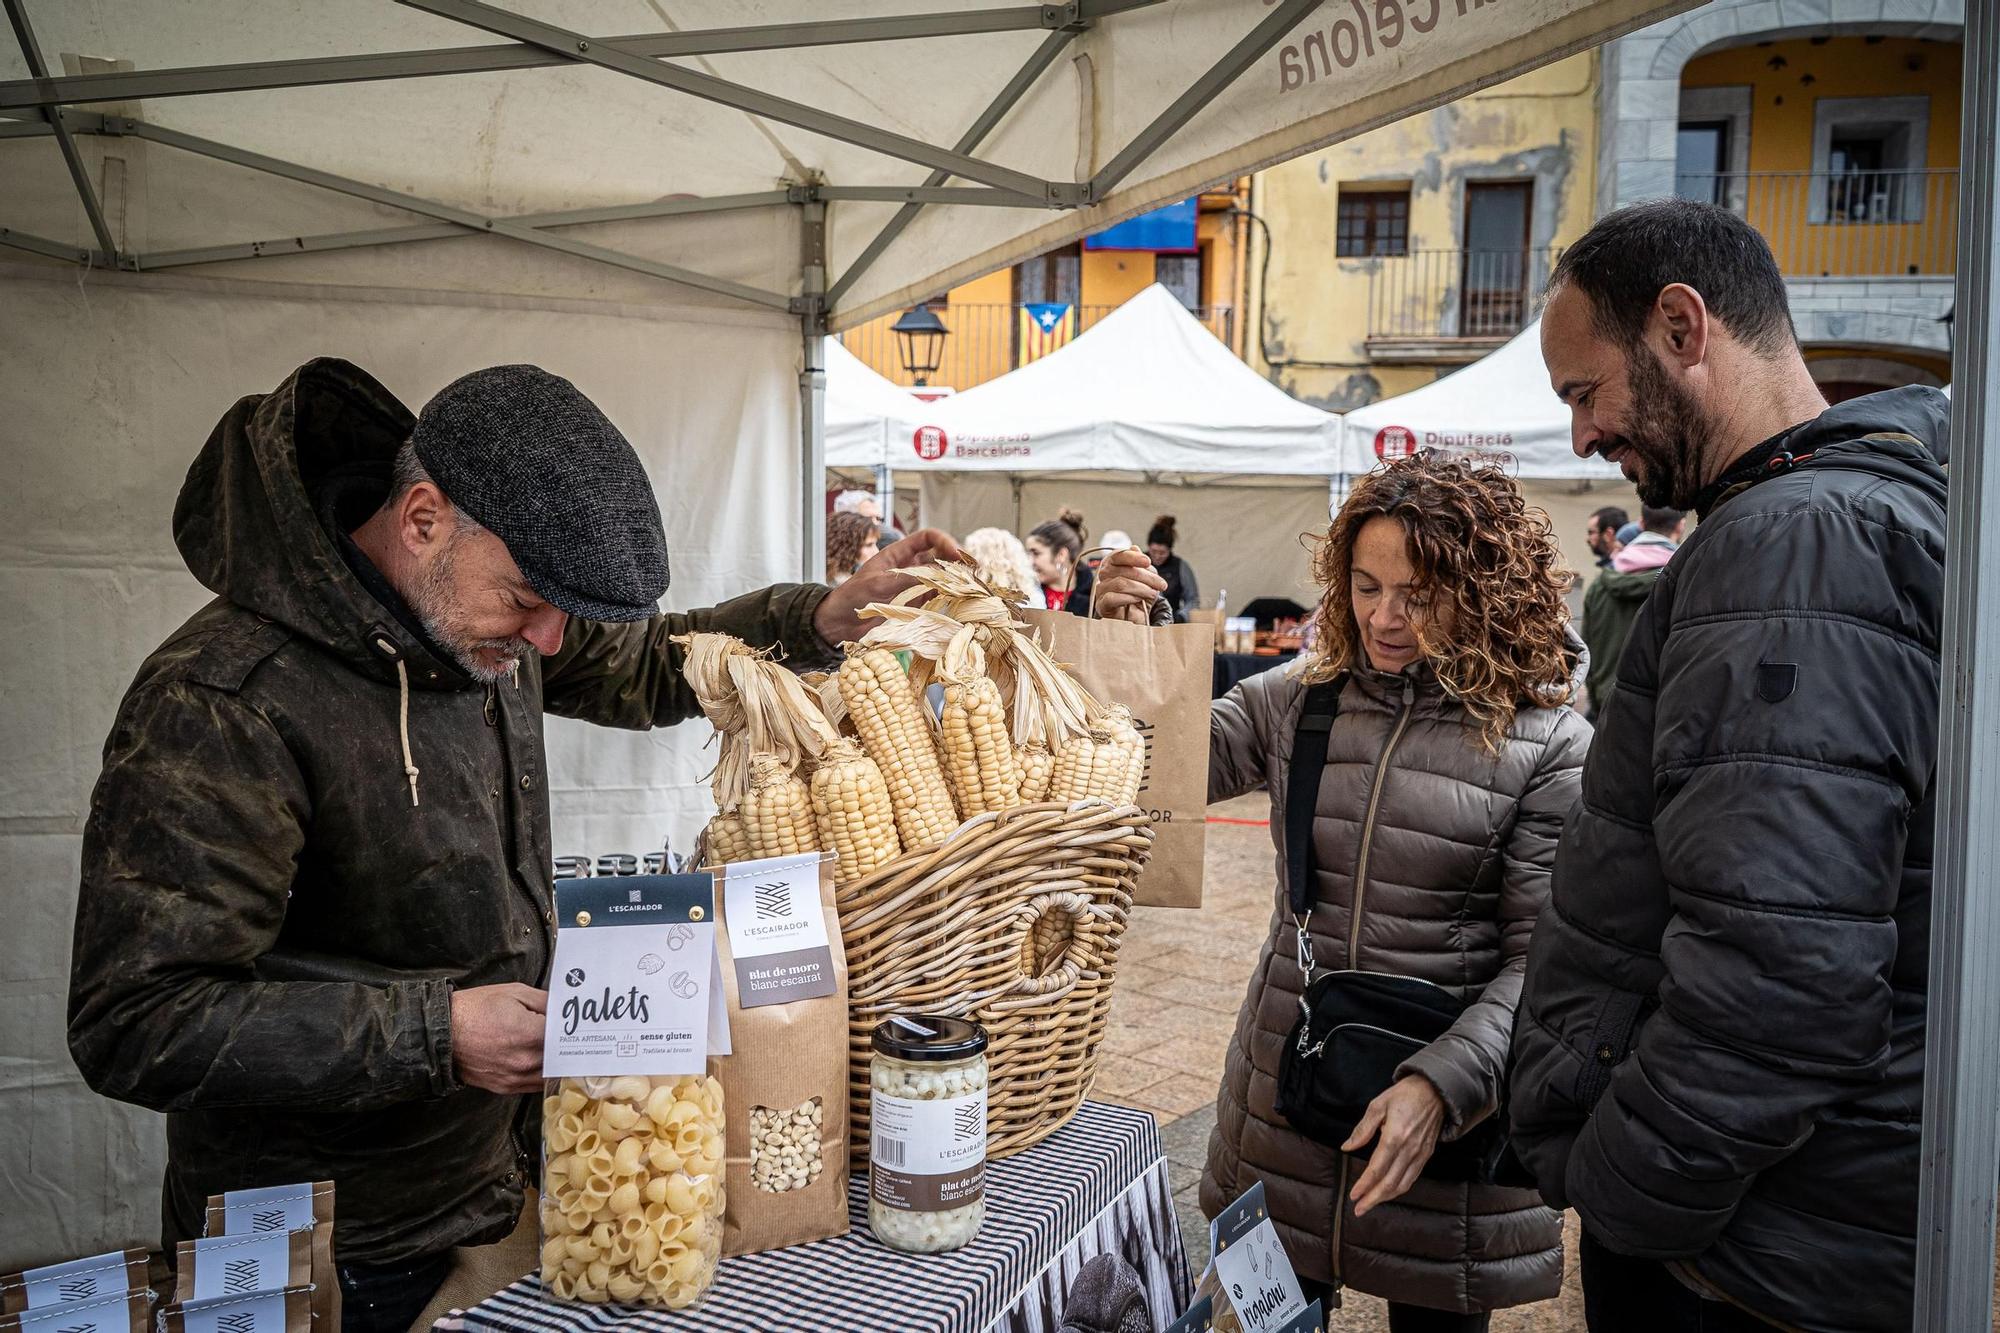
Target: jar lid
{"x":929,"y":1037}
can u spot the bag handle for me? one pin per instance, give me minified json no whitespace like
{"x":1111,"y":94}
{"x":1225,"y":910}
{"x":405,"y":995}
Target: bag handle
{"x":1309,"y":743}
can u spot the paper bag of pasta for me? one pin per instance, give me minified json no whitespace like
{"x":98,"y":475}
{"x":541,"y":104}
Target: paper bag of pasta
{"x":632,"y":1125}
{"x":1163,"y":676}
{"x":287,"y":1310}
{"x":1250,"y":1278}
{"x":91,"y":1279}
{"x":785,"y":975}
{"x":278,"y":1210}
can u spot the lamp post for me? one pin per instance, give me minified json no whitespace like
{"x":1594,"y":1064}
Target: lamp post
{"x":920,"y":334}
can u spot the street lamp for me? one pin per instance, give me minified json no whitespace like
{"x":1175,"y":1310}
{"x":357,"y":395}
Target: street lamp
{"x":920,"y":333}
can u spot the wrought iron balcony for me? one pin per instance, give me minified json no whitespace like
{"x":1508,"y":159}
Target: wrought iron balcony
{"x":1453,"y":304}
{"x":1825,"y":224}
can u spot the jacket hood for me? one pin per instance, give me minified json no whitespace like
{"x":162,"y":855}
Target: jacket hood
{"x":1648,"y":550}
{"x":1628,"y":585}
{"x":248,"y":525}
{"x":1900,"y":435}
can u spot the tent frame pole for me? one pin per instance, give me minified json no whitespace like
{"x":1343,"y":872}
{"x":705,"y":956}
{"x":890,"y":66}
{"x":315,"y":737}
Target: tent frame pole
{"x":812,"y":393}
{"x":197,"y":80}
{"x":79,"y":174}
{"x":1961,"y":1140}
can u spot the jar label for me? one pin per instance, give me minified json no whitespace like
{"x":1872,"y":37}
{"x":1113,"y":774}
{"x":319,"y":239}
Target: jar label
{"x":927,"y":1156}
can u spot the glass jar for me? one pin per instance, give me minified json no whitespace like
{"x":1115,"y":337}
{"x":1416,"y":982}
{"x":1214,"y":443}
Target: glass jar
{"x":927,"y":1133}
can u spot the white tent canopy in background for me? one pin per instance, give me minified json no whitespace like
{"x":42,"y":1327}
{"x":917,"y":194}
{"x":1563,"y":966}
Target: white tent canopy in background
{"x":1147,"y":389}
{"x":1500,"y":407}
{"x":867,"y":414}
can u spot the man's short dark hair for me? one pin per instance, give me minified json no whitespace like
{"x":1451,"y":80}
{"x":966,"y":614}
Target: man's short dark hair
{"x":1611,"y":518}
{"x":1660,"y":520}
{"x":1623,"y":262}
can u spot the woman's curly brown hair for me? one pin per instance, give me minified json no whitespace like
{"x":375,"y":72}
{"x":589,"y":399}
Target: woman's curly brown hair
{"x":1478,"y":549}
{"x":846,"y":534}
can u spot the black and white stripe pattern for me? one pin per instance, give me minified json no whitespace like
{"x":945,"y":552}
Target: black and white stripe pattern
{"x":1097,"y":1184}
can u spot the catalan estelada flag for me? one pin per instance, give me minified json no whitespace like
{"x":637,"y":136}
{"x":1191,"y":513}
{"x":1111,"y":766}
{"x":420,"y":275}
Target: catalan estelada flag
{"x":1044,"y":327}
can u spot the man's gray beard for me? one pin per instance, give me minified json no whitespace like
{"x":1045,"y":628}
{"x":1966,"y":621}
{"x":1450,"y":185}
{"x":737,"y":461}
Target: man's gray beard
{"x":1669,"y":433}
{"x":431,"y":599}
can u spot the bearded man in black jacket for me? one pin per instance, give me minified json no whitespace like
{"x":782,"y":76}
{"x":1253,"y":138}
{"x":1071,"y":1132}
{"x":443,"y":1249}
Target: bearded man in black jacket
{"x":1718,"y":1060}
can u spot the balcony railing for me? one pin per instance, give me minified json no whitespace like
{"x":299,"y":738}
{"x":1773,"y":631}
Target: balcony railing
{"x":1451,"y":294}
{"x":984,"y":342}
{"x":1843,"y":224}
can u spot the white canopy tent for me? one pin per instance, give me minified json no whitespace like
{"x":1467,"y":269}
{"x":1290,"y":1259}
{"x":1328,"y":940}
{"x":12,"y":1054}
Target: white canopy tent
{"x":1146,"y":413}
{"x":867,"y":414}
{"x":1500,"y":408}
{"x":281,"y":178}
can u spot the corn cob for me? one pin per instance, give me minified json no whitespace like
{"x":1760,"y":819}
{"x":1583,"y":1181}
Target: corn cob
{"x":1108,"y":764}
{"x":778,"y":811}
{"x":851,"y":809}
{"x":725,"y":840}
{"x":978,"y":756}
{"x":891,"y":721}
{"x":1125,"y":735}
{"x":1036,"y":766}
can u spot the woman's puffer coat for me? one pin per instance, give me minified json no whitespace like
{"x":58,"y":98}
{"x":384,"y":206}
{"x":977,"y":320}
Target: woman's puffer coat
{"x":1432,"y":859}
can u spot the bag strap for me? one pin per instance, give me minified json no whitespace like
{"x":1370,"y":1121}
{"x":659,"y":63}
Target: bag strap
{"x":1309,"y":742}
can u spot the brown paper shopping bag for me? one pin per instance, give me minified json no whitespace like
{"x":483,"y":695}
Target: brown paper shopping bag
{"x":1164,"y":676}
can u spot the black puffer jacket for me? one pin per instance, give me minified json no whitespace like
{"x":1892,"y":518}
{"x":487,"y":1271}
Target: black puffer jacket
{"x":1719,"y":1051}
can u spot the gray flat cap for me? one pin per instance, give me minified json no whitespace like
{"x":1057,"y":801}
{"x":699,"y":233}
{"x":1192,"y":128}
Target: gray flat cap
{"x":537,"y":464}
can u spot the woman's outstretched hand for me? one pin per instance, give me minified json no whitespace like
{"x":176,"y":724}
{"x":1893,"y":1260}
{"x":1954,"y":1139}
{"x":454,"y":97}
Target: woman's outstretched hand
{"x":1408,"y":1117}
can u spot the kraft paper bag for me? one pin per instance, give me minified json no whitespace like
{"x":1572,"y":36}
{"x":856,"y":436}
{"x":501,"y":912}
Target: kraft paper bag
{"x":1164,"y":676}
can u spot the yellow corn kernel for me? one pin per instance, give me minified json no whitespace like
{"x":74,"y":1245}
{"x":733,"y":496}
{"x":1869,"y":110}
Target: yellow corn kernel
{"x":726,"y":841}
{"x":890,"y":719}
{"x":778,"y":811}
{"x":852,"y":811}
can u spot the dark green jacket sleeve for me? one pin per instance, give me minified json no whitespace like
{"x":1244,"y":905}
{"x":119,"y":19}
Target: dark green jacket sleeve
{"x":188,"y":855}
{"x":630,"y":675}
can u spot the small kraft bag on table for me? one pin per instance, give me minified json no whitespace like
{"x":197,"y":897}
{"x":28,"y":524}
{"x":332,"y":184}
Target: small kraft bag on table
{"x":1355,"y":1028}
{"x":1163,"y":675}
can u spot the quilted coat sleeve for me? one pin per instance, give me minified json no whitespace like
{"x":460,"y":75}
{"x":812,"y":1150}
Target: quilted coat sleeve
{"x":188,"y":858}
{"x":630,"y":675}
{"x":1468,"y":1065}
{"x":1239,"y":734}
{"x":1799,"y":702}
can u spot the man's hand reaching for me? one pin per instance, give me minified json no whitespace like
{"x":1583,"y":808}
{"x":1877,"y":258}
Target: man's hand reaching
{"x":838,"y":619}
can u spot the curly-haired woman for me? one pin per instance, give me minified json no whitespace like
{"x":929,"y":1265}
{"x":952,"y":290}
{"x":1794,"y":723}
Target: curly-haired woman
{"x":1452,"y":761}
{"x":851,"y":541}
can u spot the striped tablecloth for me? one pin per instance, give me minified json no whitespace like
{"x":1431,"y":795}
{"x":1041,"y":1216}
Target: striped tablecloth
{"x":1098,"y":1185}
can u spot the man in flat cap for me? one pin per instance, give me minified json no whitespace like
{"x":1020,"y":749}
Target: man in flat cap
{"x":315,"y":910}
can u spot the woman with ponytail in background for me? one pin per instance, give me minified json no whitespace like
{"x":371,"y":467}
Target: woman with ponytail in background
{"x":1181,"y":595}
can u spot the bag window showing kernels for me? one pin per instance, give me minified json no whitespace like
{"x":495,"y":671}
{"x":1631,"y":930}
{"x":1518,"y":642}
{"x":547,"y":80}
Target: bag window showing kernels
{"x":632,"y":1191}
{"x":927,"y":1133}
{"x":633,"y":1126}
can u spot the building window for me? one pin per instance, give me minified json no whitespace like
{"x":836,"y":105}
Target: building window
{"x":1712,"y":146}
{"x":1868,"y":156}
{"x":1181,"y":275}
{"x":1373,"y":222}
{"x":1701,"y":156}
{"x":1054,"y":277}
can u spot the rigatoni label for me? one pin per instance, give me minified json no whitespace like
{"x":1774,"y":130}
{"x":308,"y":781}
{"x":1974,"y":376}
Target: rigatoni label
{"x":777,"y":930}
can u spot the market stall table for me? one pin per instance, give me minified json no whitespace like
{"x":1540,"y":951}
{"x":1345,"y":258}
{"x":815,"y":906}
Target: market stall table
{"x":1098,"y":1185}
{"x":1233,"y":668}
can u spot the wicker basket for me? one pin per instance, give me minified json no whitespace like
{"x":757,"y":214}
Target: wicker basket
{"x":1014,"y":921}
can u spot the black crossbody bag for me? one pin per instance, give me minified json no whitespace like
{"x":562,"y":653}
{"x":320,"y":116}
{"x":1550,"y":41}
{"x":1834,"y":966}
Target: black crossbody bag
{"x":1355,"y":1028}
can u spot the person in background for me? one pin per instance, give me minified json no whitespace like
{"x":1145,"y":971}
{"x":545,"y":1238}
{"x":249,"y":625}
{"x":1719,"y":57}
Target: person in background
{"x":1616,"y":595}
{"x":1055,"y":548}
{"x":1600,"y":534}
{"x":868,"y":506}
{"x":852,"y":539}
{"x":1720,"y":1058}
{"x":1182,"y":595}
{"x":1627,"y":534}
{"x":1115,"y":540}
{"x":1450,"y":769}
{"x":1003,"y":561}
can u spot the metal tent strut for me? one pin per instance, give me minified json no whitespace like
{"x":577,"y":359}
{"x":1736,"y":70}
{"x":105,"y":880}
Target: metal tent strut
{"x":31,"y":51}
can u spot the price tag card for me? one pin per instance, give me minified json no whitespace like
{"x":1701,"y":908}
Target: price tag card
{"x":777,"y":930}
{"x":272,"y":1208}
{"x":633,"y":979}
{"x":1250,"y":1260}
{"x":78,"y":1280}
{"x":241,"y":1265}
{"x":1200,"y":1318}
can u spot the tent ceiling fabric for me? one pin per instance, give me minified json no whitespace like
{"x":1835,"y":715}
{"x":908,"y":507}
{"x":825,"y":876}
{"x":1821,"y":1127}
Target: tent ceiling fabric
{"x":1122,"y":105}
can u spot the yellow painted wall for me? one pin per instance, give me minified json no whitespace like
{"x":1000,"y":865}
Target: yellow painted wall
{"x":982,"y":317}
{"x":1541,"y":127}
{"x":1781,"y":140}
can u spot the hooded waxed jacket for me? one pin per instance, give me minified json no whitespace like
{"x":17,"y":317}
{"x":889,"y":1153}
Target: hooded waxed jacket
{"x":1719,"y":1056}
{"x":1431,"y":860}
{"x":273,"y":912}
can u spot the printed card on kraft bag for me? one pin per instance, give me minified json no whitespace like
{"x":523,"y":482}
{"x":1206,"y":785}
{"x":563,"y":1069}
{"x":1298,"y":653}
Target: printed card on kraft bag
{"x":241,"y":1265}
{"x":632,"y":988}
{"x":287,"y":1311}
{"x":121,"y":1312}
{"x":785,"y":1091}
{"x":90,"y":1279}
{"x":282,"y":1209}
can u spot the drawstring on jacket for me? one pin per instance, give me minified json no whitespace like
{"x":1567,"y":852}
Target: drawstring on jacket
{"x":403,"y":725}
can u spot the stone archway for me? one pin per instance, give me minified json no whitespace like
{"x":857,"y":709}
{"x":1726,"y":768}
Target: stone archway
{"x":1642,"y":72}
